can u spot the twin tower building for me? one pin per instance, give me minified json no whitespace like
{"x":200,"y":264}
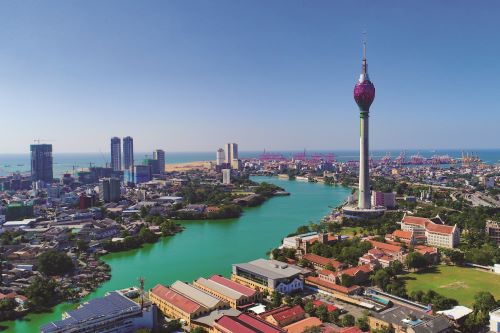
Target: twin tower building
{"x":156,"y":164}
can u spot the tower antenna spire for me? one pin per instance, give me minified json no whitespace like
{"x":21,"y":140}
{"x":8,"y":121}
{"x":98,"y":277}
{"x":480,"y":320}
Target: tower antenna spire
{"x":364,"y":39}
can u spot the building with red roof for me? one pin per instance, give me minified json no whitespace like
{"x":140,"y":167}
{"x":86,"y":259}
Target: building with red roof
{"x":329,"y":307}
{"x":174,"y":304}
{"x":244,"y":323}
{"x":300,"y":326}
{"x":402,"y":236}
{"x":320,"y":262}
{"x":427,"y":232}
{"x":286,"y":316}
{"x":332,"y":287}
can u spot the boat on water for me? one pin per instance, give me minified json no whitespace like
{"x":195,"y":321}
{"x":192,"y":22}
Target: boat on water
{"x":302,"y":178}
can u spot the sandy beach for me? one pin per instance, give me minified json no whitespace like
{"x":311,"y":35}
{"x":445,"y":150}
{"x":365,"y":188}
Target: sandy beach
{"x":198,"y":165}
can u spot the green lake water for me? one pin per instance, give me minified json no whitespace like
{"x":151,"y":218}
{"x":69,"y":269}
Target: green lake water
{"x":210,"y":247}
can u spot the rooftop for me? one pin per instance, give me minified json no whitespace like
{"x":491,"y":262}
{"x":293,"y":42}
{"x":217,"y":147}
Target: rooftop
{"x":233,"y":285}
{"x":113,"y":304}
{"x":173,"y":297}
{"x":219,"y":288}
{"x":245,"y":323}
{"x":272,"y":269}
{"x":195,"y":294}
{"x":299,"y":326}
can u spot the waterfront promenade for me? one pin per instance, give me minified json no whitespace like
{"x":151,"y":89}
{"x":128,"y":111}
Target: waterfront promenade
{"x":208,"y":247}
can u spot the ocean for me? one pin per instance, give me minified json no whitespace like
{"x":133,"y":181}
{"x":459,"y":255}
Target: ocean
{"x":72,"y":162}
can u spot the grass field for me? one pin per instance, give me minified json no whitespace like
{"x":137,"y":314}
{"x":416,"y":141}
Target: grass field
{"x":455,"y":282}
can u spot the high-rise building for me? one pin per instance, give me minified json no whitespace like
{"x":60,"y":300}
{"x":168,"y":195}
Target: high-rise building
{"x":219,"y":156}
{"x":154,"y":165}
{"x":41,"y":162}
{"x":142,"y":174}
{"x":109,"y":189}
{"x":128,"y":153}
{"x":364,"y":94}
{"x":116,"y":154}
{"x":226,"y":176}
{"x":231,"y":152}
{"x":159,"y":155}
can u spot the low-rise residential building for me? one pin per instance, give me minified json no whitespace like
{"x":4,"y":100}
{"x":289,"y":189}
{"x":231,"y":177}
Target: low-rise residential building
{"x":401,"y":236}
{"x":285,"y":315}
{"x":382,"y":254}
{"x":427,"y":232}
{"x":300,"y":326}
{"x":408,"y":320}
{"x":270,"y":275}
{"x":493,"y":231}
{"x":320,"y":262}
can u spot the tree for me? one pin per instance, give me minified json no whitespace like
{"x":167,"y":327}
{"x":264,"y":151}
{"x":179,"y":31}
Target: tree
{"x":333,"y":316}
{"x":346,"y":280}
{"x":312,"y":329}
{"x":395,"y":268}
{"x":276,"y":299}
{"x":416,"y":260}
{"x":322,"y":312}
{"x":484,"y":302}
{"x":348,"y":320}
{"x":362,"y":323}
{"x":457,"y":257}
{"x":297,"y":300}
{"x":381,"y":279}
{"x":7,"y":309}
{"x":309,"y":307}
{"x":42,"y":293}
{"x":147,"y":235}
{"x":53,"y":262}
{"x":82,"y":245}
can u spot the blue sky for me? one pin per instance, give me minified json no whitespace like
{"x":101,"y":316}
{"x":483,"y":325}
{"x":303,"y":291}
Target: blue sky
{"x":192,"y":75}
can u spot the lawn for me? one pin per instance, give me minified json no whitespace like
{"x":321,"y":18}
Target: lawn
{"x":460,"y":283}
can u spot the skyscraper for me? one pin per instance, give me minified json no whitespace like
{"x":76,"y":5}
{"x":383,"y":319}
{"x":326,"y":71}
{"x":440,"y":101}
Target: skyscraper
{"x":116,"y":154}
{"x":128,"y":153}
{"x":231,"y":152}
{"x":109,"y":189}
{"x":219,"y":156}
{"x":41,"y":162}
{"x":364,"y":94}
{"x":159,"y":155}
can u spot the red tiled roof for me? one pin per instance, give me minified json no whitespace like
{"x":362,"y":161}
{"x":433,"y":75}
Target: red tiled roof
{"x":415,"y":220}
{"x":385,"y":247}
{"x":266,"y":314}
{"x":175,"y":299}
{"x":299,"y":326}
{"x":314,"y":258}
{"x":329,"y":307}
{"x":402,"y":234}
{"x":289,"y":313}
{"x":327,"y":272}
{"x":245,"y":323}
{"x":233,"y":285}
{"x":330,"y":285}
{"x":354,"y":270}
{"x":440,"y":229}
{"x":425,"y":249}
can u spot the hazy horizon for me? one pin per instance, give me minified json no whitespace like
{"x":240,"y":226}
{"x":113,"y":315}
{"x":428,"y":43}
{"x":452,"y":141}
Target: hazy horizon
{"x":188,"y":76}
